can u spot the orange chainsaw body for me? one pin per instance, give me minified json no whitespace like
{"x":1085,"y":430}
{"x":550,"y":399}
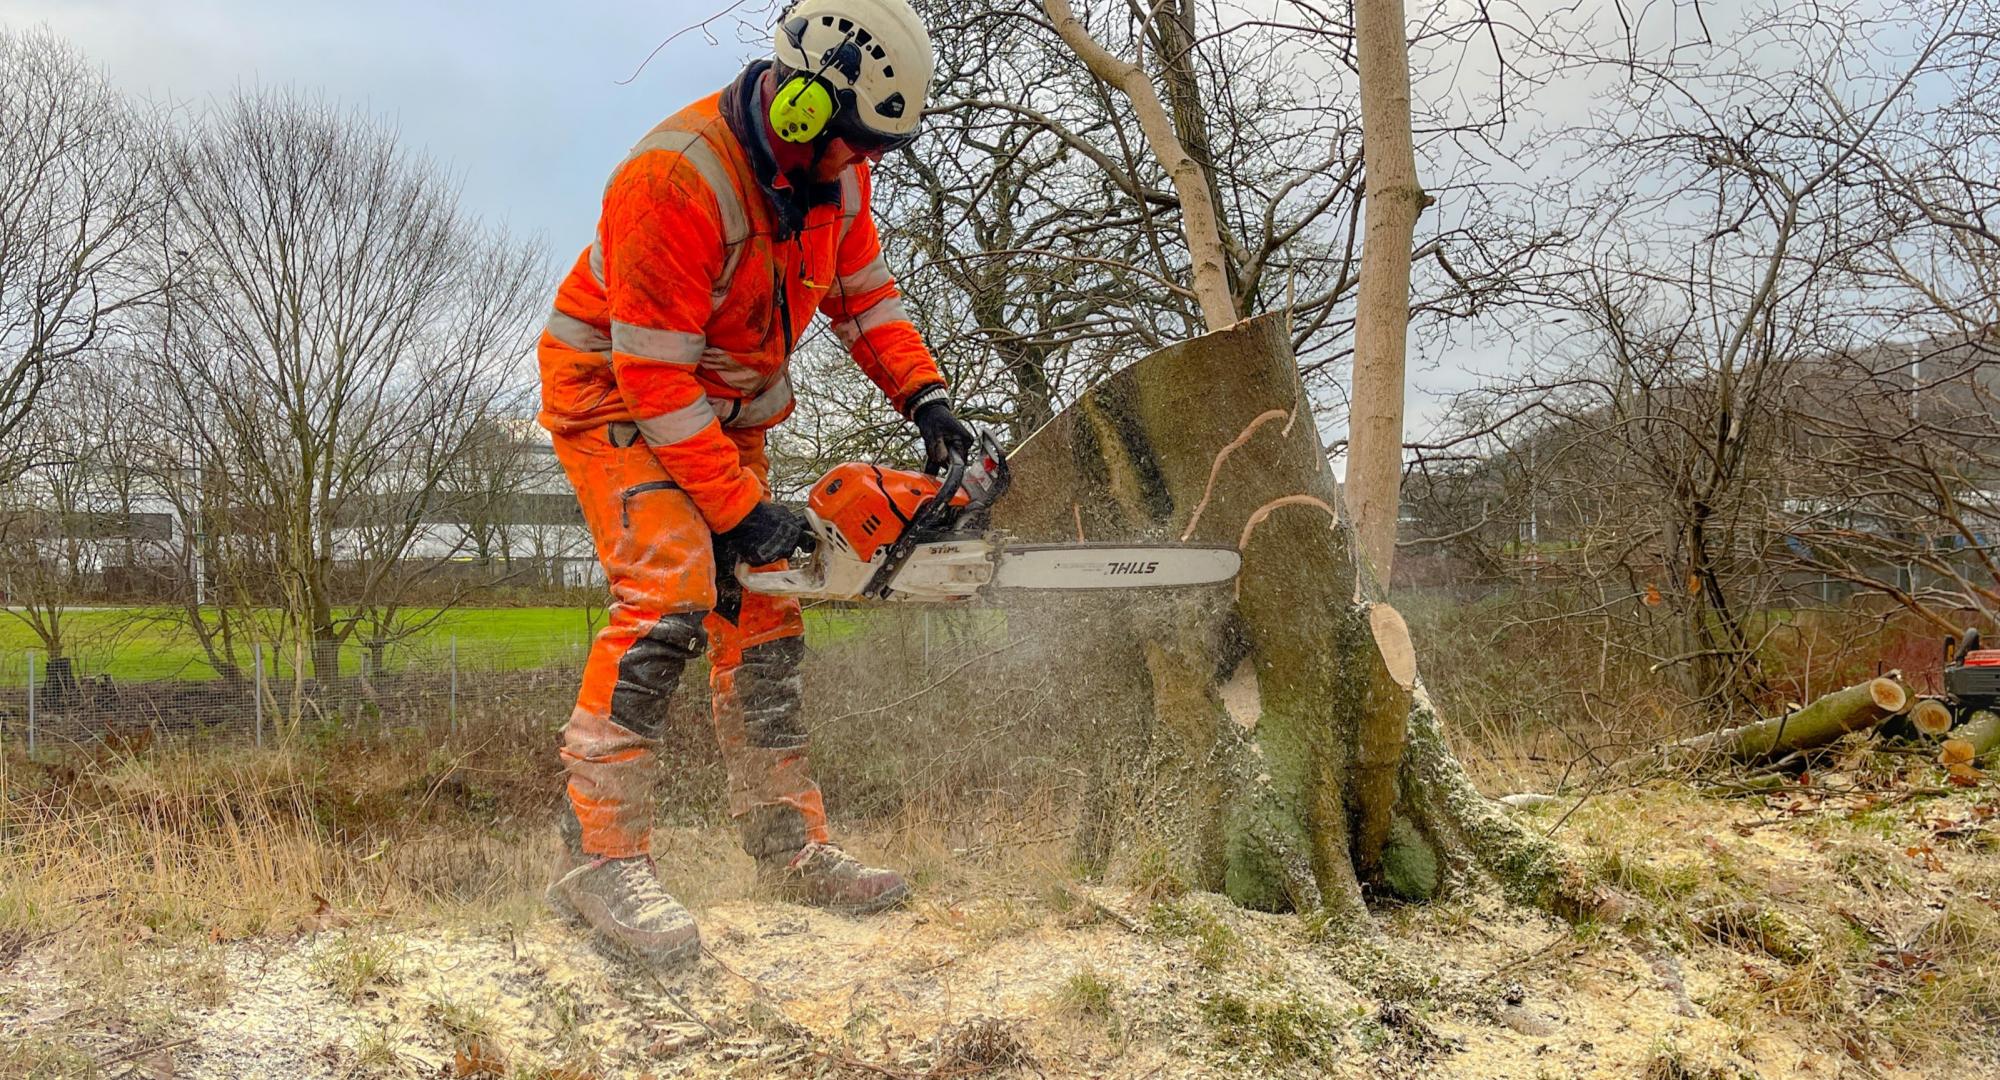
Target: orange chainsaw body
{"x":869,"y":506}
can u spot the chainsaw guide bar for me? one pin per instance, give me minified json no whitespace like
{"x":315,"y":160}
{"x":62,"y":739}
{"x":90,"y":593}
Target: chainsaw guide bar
{"x":890,"y":534}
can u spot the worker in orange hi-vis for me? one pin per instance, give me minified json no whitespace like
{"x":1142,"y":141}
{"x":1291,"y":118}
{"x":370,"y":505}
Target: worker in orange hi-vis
{"x":662,"y":367}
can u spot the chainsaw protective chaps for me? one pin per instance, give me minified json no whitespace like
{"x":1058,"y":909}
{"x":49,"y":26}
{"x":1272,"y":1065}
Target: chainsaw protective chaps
{"x":659,"y":558}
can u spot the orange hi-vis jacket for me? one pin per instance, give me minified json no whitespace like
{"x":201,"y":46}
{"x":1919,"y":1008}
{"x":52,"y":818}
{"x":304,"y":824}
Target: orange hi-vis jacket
{"x":681,"y":318}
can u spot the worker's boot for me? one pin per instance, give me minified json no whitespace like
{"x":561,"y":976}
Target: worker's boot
{"x":825,"y":876}
{"x":623,"y":901}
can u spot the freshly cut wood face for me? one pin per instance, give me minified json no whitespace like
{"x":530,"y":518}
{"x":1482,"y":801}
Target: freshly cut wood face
{"x":1889,"y":695}
{"x":1931,"y":716}
{"x":1392,"y":636}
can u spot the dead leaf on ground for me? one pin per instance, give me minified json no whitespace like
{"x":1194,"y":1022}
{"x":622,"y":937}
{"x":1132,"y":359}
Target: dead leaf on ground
{"x":323,"y":917}
{"x":1927,"y":855}
{"x":1962,"y":775}
{"x":476,"y":1057}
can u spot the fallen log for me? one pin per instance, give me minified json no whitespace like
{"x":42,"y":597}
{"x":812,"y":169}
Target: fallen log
{"x":1931,"y":717}
{"x":1855,"y":708}
{"x":1842,"y":712}
{"x":1981,"y":731}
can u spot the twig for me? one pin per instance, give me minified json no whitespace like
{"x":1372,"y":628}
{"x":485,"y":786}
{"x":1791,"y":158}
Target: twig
{"x":677,"y":1000}
{"x":1103,"y":908}
{"x":1538,"y":954}
{"x":850,"y":1061}
{"x":141,"y":1051}
{"x":940,"y":681}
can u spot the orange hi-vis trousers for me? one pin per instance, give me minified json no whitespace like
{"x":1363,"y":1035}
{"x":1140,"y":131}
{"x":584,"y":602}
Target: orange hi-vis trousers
{"x":660,"y":559}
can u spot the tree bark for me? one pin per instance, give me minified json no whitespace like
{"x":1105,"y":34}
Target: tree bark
{"x":1255,"y":731}
{"x":1394,"y":198}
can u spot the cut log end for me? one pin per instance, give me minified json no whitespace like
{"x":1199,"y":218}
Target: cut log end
{"x":1931,"y":716}
{"x":1392,"y":637}
{"x":1889,"y":695}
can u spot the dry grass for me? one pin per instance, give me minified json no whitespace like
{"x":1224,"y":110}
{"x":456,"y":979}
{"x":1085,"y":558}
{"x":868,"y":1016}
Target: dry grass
{"x":1878,"y":928}
{"x":1803,"y":927}
{"x":223,"y":844}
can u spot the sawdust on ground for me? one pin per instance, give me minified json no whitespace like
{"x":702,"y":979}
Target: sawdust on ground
{"x":1071,"y":981}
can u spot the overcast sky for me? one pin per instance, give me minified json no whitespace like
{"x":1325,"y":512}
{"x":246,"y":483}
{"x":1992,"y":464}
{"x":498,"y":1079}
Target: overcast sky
{"x":520,"y":98}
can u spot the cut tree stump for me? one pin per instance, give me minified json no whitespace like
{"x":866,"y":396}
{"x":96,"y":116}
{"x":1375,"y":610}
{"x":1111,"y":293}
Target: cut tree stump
{"x":1271,"y":737}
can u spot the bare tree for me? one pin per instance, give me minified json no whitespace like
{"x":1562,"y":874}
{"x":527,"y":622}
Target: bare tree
{"x":338,"y":334}
{"x":75,"y":187}
{"x":70,"y":517}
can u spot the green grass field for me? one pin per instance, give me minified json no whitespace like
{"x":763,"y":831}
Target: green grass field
{"x":141,"y":644}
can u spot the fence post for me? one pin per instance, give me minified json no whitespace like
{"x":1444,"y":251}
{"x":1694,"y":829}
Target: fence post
{"x":453,"y":707}
{"x":31,"y":703}
{"x":257,"y":687}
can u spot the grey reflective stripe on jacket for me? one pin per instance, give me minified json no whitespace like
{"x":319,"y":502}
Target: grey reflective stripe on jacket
{"x":666,"y":346}
{"x":850,"y":201}
{"x":865,"y":280}
{"x":762,"y":409}
{"x":683,"y":423}
{"x":689,"y":421}
{"x":574,"y":333}
{"x":887,"y":311}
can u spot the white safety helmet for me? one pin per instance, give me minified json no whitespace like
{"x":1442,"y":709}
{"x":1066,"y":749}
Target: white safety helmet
{"x":874,"y":57}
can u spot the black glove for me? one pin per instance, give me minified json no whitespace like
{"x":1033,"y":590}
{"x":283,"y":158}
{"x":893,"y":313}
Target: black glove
{"x":942,"y":430}
{"x":769,"y":532}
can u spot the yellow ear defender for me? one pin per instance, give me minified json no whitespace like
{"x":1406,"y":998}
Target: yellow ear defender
{"x":802,"y":108}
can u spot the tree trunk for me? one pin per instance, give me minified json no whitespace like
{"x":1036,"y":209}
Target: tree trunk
{"x":1382,"y":304}
{"x":1255,"y":732}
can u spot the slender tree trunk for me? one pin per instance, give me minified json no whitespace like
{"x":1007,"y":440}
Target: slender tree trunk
{"x":1174,"y":31}
{"x":1198,"y":216}
{"x":1382,"y":312}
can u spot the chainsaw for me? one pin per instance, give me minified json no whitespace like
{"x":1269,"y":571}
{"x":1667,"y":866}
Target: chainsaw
{"x":892,"y":534}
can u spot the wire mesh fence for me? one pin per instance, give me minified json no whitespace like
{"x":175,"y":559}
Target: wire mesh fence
{"x":262,"y":692}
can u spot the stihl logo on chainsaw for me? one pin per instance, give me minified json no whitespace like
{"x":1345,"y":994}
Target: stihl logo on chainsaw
{"x":1134,"y":567}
